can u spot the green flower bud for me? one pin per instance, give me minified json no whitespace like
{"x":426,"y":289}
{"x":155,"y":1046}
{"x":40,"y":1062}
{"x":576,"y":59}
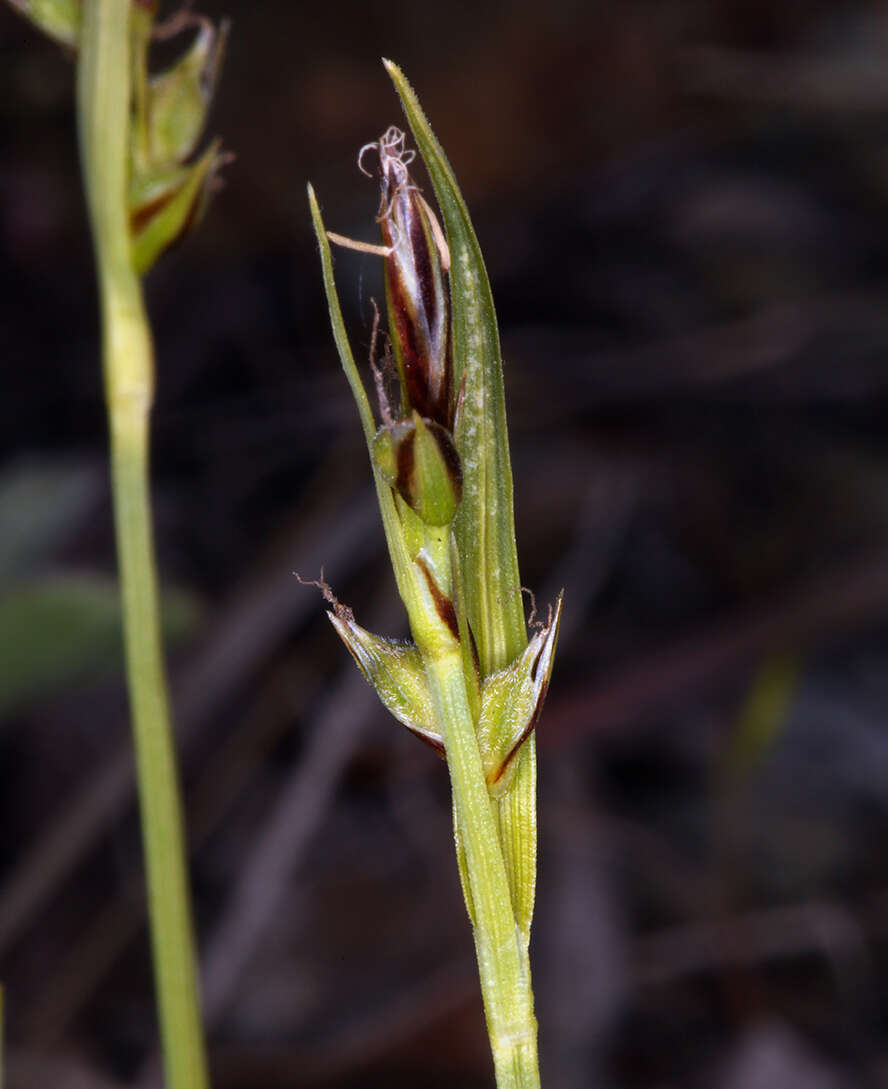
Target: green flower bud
{"x":417,"y":457}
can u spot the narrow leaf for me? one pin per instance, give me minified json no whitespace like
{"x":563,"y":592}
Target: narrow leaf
{"x":510,"y":708}
{"x":462,"y":866}
{"x":59,"y":19}
{"x":60,"y":629}
{"x":516,"y":813}
{"x":340,"y":336}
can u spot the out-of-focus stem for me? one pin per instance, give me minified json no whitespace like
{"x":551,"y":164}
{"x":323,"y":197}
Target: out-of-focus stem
{"x":103,"y":90}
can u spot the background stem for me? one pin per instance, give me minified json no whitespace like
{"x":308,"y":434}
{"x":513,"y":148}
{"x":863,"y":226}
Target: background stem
{"x":104,"y":81}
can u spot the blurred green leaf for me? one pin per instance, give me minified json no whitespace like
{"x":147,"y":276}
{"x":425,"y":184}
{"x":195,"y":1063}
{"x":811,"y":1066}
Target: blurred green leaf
{"x":40,"y":502}
{"x":60,"y":19}
{"x":762,"y":717}
{"x":59,"y":630}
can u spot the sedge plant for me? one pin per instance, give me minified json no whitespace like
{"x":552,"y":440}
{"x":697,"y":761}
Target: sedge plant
{"x":144,"y":190}
{"x":470,"y":683}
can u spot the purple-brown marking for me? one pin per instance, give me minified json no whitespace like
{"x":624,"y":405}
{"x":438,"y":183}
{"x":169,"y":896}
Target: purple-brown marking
{"x":433,"y":743}
{"x":525,"y":733}
{"x":406,"y":462}
{"x":443,"y":604}
{"x":415,"y":285}
{"x":476,"y":657}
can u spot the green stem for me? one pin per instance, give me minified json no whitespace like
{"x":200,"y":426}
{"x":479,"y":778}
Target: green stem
{"x":502,"y":955}
{"x":104,"y":80}
{"x":501,"y":949}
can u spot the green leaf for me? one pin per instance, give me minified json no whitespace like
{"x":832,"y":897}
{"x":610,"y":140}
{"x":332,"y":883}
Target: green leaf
{"x":58,"y":630}
{"x":40,"y":504}
{"x":462,"y":866}
{"x":340,"y":336}
{"x":484,"y":525}
{"x":763,"y":714}
{"x":60,"y":19}
{"x":516,"y":815}
{"x":511,"y":701}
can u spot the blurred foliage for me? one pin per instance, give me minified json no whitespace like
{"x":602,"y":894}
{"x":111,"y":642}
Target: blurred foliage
{"x":40,"y":503}
{"x":58,"y":628}
{"x":765,"y":709}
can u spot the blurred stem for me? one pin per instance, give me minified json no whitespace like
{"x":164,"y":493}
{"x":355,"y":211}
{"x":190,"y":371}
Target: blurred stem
{"x":103,"y":89}
{"x":503,"y":960}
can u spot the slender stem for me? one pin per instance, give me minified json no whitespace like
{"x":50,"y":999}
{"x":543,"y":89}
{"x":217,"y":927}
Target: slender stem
{"x":502,"y":955}
{"x":500,"y":947}
{"x":104,"y":80}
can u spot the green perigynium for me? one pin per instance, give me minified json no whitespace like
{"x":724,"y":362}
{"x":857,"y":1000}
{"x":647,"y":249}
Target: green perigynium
{"x":470,"y":683}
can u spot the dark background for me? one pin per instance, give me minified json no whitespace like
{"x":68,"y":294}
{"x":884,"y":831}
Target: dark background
{"x":684,"y":211}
